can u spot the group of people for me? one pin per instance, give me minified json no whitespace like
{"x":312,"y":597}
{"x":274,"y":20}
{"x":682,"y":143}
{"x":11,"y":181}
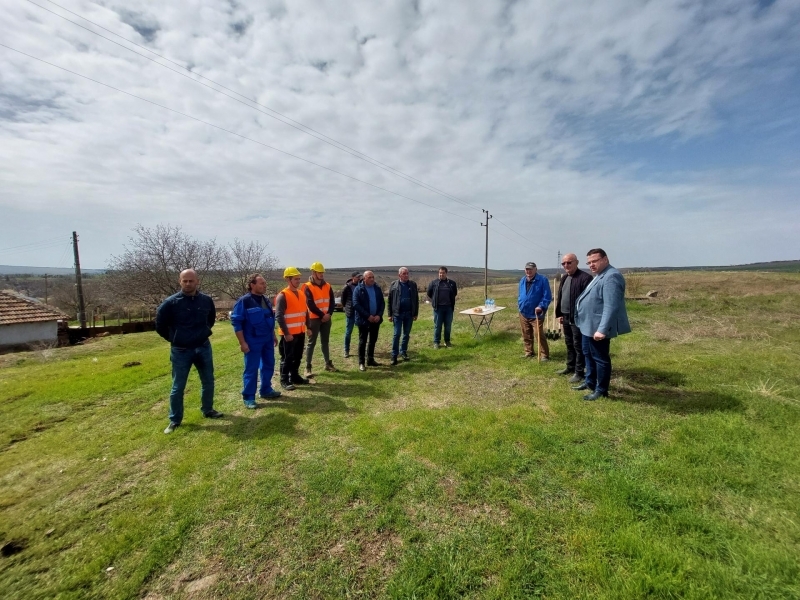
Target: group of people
{"x":590,"y":309}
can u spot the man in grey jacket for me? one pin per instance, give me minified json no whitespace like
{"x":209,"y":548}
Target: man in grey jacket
{"x":601,"y":315}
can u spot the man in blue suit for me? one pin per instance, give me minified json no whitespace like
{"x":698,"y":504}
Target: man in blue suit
{"x":601,"y":316}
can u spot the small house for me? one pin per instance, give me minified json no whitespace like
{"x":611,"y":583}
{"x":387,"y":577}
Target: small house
{"x":27,"y":321}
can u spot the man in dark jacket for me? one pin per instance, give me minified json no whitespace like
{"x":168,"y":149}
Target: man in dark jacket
{"x":403,"y":310}
{"x":442,"y":293}
{"x":346,"y":298}
{"x":572,"y":284}
{"x":368,"y":305}
{"x":253,"y":323}
{"x":185,"y":320}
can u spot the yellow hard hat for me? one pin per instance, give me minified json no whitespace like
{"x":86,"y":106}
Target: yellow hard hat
{"x":291,"y":272}
{"x":317,"y":266}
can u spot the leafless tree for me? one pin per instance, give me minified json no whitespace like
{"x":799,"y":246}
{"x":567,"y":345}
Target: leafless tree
{"x":242,"y":259}
{"x":148,"y":270}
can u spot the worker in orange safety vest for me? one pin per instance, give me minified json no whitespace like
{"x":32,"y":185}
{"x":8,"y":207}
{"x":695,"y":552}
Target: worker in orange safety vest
{"x":290,"y":313}
{"x":320,"y":302}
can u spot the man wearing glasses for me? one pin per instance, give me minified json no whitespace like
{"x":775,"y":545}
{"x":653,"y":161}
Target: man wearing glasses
{"x":601,"y":315}
{"x":572,"y":284}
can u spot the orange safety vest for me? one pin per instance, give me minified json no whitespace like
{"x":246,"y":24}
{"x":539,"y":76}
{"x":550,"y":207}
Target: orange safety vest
{"x":296,"y":310}
{"x":321,"y":295}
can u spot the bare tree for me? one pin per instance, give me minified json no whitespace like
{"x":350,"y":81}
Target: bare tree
{"x":243,"y":259}
{"x":148,"y":270}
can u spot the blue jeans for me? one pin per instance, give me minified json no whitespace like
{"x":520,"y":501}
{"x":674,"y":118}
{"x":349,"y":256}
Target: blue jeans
{"x":598,"y":363}
{"x":442,"y":315}
{"x":348,"y":330}
{"x":402,"y":323}
{"x":182,"y":360}
{"x":261,"y":356}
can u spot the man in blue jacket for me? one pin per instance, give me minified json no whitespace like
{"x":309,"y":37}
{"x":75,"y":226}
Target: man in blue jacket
{"x":601,"y":316}
{"x":185,"y":320}
{"x":533,"y":299}
{"x":253,"y":323}
{"x":368,"y":305}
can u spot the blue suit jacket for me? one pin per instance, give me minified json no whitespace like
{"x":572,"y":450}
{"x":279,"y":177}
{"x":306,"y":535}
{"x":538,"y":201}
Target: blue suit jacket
{"x":601,"y":306}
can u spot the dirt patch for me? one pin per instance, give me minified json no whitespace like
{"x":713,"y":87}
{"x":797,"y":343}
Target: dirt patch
{"x":198,"y":585}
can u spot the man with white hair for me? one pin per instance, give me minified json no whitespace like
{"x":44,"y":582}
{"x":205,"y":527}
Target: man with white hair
{"x":368,"y":304}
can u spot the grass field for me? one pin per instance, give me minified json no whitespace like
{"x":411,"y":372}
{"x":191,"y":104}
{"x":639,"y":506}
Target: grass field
{"x":463,"y":473}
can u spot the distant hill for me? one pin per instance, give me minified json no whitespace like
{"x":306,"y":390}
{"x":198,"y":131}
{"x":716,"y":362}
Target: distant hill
{"x":15,"y":270}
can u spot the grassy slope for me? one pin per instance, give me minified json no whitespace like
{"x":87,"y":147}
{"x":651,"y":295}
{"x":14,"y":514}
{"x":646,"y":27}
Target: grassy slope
{"x":467,"y":472}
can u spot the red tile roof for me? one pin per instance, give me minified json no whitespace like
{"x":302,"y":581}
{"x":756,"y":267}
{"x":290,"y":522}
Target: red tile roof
{"x":17,"y":309}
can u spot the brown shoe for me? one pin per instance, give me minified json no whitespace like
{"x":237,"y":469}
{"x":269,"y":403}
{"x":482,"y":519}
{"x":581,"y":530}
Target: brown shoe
{"x":330,"y":368}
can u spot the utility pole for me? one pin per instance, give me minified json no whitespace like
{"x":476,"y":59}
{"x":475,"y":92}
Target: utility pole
{"x":558,"y":260}
{"x":45,"y":287}
{"x":78,"y":281}
{"x":486,"y":261}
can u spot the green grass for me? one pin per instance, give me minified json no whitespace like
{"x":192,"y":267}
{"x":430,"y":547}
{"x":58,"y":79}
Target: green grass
{"x":463,"y":473}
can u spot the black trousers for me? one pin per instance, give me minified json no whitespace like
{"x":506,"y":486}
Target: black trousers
{"x":291,"y":356}
{"x":367,"y":333}
{"x":576,"y":361}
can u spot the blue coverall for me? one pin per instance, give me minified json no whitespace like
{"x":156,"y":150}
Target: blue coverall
{"x":254,"y":317}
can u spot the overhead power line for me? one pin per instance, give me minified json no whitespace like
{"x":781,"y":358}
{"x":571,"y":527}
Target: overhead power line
{"x":188,"y":116}
{"x":39,"y":243}
{"x":522,"y":236}
{"x":286,"y":120}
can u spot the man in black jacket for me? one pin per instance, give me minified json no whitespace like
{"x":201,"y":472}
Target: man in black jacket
{"x":185,"y":320}
{"x":572,"y":284}
{"x":346,"y":298}
{"x":403,"y":310}
{"x":442,"y":293}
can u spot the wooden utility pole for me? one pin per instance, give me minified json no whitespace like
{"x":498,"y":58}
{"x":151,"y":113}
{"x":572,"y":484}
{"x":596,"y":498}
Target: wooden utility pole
{"x":45,"y":287}
{"x":78,"y":281}
{"x":486,"y":259}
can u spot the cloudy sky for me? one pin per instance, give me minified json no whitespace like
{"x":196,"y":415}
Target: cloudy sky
{"x":666,"y":131}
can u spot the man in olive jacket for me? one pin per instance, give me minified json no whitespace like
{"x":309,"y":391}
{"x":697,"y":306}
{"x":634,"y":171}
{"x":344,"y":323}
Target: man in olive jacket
{"x":185,"y":320}
{"x":403,"y":311}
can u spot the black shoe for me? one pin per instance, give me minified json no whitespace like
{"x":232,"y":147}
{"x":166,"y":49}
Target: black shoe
{"x":594,"y":396}
{"x":213,"y":414}
{"x":576,"y":378}
{"x":528,"y":356}
{"x":288,"y":386}
{"x":544,"y":359}
{"x":393,"y":362}
{"x":299,"y":380}
{"x":347,"y":354}
{"x":581,"y":387}
{"x":361,"y":367}
{"x":448,"y":345}
{"x":373,"y":363}
{"x":404,"y":357}
{"x":271,"y":395}
{"x":564,"y":372}
{"x":172,"y":427}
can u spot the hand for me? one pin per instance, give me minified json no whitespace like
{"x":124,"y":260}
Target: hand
{"x":275,"y":340}
{"x":244,"y":347}
{"x":326,"y":317}
{"x":414,"y":319}
{"x":391,"y":318}
{"x":288,"y":337}
{"x":597,"y":337}
{"x":538,"y":310}
{"x":560,"y":320}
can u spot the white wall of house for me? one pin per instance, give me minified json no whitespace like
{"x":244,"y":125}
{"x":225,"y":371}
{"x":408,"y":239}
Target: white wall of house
{"x":25,"y":333}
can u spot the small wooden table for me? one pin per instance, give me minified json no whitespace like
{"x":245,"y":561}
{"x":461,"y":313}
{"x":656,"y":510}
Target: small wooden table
{"x":485,"y":322}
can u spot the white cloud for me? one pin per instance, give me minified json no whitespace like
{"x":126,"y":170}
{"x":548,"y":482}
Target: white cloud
{"x":510,"y":106}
